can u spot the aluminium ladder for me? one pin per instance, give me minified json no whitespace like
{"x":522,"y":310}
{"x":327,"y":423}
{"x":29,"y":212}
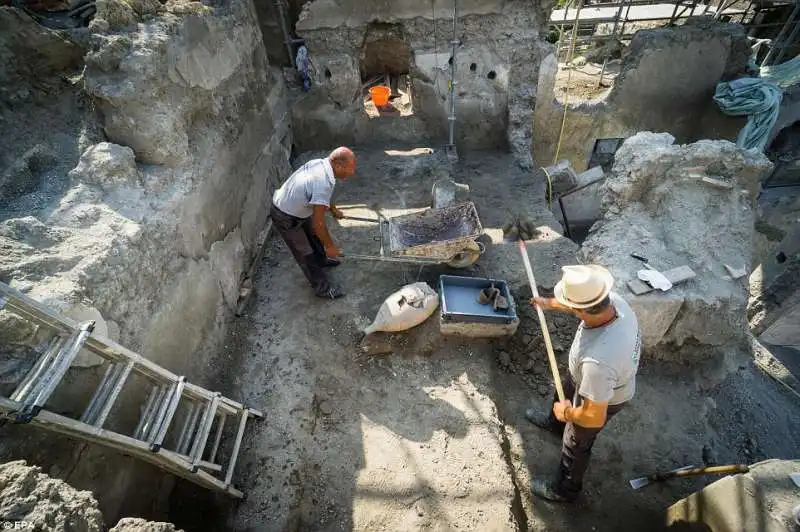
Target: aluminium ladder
{"x":188,"y":455}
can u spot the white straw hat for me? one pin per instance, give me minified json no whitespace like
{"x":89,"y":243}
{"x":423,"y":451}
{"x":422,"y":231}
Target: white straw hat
{"x":583,"y":286}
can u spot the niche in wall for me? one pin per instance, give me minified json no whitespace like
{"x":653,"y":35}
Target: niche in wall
{"x":386,"y":61}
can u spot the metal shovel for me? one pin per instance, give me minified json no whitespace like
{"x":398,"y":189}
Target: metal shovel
{"x":688,"y":471}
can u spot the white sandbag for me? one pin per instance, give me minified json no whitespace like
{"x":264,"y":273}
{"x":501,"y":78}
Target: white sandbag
{"x":406,"y":308}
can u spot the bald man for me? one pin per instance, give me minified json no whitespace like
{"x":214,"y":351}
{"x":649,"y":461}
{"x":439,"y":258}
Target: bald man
{"x":298,"y":212}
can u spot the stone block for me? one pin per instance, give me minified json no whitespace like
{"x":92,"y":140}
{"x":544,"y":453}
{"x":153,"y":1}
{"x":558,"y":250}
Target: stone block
{"x":655,"y":314}
{"x":106,"y":164}
{"x":652,"y":207}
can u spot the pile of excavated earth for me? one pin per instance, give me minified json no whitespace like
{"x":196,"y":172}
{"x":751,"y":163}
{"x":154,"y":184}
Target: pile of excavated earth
{"x":39,"y":502}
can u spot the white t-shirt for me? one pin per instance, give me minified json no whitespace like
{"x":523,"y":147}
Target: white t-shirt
{"x":311,"y":184}
{"x":603,"y":361}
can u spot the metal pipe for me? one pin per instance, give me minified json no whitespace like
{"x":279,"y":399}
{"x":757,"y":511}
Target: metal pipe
{"x":779,"y":38}
{"x":625,"y":19}
{"x":788,"y":43}
{"x":454,"y":42}
{"x":286,"y":39}
{"x":613,"y":34}
{"x":564,"y":217}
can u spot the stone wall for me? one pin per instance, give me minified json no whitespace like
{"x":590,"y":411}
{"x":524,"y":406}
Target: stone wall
{"x":497,"y":63}
{"x":681,"y":205}
{"x":155,"y":227}
{"x":667,"y":80}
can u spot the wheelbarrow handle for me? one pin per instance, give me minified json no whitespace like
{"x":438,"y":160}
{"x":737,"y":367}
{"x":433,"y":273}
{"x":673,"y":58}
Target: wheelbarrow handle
{"x":361,"y":219}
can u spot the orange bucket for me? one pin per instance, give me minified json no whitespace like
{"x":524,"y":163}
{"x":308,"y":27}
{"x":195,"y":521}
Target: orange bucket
{"x":380,"y":95}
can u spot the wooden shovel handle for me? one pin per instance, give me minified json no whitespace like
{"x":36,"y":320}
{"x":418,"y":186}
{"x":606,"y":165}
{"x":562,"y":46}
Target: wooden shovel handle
{"x":553,"y":367}
{"x":735,"y":468}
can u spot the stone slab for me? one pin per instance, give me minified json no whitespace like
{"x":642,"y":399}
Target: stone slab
{"x":675,"y":276}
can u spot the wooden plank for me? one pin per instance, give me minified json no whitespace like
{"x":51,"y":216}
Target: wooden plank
{"x":675,"y":275}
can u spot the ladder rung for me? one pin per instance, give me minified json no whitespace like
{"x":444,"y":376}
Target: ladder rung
{"x":202,"y":433}
{"x":51,"y":378}
{"x":150,"y":407}
{"x":166,"y":421}
{"x":101,"y":393}
{"x":217,"y":438}
{"x":154,"y":424}
{"x":185,"y":428}
{"x":123,"y":378}
{"x":210,"y":466}
{"x":187,"y":436}
{"x":42,"y":364}
{"x":236,"y":445}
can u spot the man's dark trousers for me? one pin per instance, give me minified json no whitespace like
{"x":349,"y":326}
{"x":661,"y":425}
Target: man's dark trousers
{"x":305,"y":246}
{"x":576,"y":444}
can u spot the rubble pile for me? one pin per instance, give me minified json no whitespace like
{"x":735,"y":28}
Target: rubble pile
{"x":682,"y":205}
{"x":39,"y":502}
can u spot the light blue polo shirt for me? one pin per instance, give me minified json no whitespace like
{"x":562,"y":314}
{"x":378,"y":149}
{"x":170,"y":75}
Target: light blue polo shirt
{"x":311,"y":184}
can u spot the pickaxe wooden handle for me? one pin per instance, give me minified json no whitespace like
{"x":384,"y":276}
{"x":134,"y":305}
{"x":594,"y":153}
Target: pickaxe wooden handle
{"x":553,"y":367}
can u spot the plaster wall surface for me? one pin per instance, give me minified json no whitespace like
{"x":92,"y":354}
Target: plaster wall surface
{"x":497,"y":65}
{"x":667,"y":80}
{"x":155,"y":225}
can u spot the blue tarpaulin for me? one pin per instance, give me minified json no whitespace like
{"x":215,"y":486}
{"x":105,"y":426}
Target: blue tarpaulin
{"x":759,"y":99}
{"x":755,"y":98}
{"x":784,"y":75}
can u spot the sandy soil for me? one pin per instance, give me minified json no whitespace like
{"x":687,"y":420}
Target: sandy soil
{"x":583,"y":82}
{"x":433,"y":436}
{"x":400,"y":106}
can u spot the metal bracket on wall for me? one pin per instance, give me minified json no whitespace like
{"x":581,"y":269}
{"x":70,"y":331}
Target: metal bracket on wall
{"x":567,"y":193}
{"x":603,"y":152}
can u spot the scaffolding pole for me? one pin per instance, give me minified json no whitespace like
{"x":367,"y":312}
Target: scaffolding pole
{"x":613,"y":36}
{"x":286,"y":38}
{"x":787,"y":42}
{"x":451,"y":146}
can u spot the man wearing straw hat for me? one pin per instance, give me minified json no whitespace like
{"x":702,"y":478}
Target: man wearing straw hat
{"x":603,"y":361}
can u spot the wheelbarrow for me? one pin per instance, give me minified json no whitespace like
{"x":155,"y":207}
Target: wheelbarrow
{"x":444,"y":235}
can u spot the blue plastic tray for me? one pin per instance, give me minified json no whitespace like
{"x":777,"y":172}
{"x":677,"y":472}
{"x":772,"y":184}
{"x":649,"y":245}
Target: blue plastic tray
{"x":459,"y":300}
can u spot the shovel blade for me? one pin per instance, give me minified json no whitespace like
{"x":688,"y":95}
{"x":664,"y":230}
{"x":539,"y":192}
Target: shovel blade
{"x":638,"y":483}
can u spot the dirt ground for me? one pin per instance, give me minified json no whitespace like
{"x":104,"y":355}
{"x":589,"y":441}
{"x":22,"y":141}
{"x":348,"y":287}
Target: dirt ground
{"x":582,"y":83}
{"x":433,"y":436}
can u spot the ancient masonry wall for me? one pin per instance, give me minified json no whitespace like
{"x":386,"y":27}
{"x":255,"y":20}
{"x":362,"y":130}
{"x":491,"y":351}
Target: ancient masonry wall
{"x":497,"y":63}
{"x":667,"y":80}
{"x":153,"y":228}
{"x":659,"y":192}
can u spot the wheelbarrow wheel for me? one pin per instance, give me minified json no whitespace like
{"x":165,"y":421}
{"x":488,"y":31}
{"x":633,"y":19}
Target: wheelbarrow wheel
{"x":466,"y":257}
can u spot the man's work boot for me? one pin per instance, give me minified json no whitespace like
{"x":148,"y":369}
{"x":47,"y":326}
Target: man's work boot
{"x":544,"y":420}
{"x":329,"y":263}
{"x":545,"y":488}
{"x":331,"y":292}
